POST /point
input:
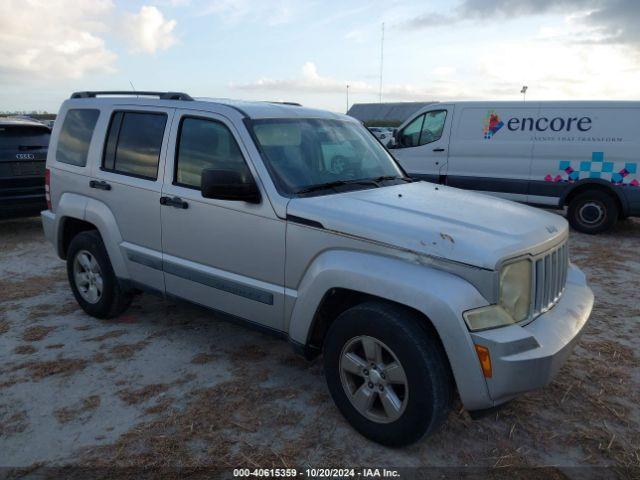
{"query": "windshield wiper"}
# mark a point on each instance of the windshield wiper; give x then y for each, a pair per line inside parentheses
(336, 183)
(390, 177)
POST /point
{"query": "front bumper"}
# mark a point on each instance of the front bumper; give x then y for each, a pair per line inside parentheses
(633, 199)
(527, 357)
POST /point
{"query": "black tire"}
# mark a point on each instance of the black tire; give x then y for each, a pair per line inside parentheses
(113, 300)
(430, 383)
(593, 211)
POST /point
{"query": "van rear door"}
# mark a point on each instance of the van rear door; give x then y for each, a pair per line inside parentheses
(490, 151)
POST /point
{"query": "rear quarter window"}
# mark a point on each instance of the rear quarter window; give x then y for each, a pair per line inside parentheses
(75, 136)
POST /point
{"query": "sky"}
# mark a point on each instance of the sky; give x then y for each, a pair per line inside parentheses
(309, 51)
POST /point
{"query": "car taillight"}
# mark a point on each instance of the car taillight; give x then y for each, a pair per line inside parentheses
(47, 188)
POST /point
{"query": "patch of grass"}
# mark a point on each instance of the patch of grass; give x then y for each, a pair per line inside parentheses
(66, 414)
(36, 333)
(105, 336)
(24, 350)
(61, 366)
(55, 346)
(126, 351)
(5, 325)
(10, 424)
(133, 397)
(202, 358)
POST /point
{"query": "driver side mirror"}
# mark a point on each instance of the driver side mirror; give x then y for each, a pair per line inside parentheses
(394, 141)
(228, 185)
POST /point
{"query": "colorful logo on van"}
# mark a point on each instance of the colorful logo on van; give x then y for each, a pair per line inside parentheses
(597, 167)
(491, 124)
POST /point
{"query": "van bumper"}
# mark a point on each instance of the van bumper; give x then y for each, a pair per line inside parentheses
(633, 200)
(525, 358)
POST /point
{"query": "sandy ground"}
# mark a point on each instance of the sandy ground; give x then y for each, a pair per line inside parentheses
(168, 385)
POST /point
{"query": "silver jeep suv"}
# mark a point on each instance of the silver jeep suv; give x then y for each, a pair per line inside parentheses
(299, 222)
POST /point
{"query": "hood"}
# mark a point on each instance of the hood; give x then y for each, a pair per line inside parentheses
(435, 220)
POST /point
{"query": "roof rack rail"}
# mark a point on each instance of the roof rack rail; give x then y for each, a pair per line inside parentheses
(160, 95)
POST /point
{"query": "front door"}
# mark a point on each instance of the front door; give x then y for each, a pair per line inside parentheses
(225, 255)
(422, 145)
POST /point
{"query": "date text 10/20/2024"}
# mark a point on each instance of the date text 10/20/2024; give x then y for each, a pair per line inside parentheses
(317, 472)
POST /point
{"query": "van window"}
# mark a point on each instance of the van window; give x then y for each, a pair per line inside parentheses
(433, 126)
(204, 144)
(75, 136)
(410, 136)
(133, 143)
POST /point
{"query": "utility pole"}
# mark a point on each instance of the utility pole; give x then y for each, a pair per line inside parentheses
(524, 93)
(347, 97)
(381, 60)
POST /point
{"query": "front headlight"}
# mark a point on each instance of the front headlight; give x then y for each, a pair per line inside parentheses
(515, 289)
(514, 302)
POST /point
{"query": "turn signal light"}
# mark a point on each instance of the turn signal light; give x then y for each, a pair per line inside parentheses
(485, 360)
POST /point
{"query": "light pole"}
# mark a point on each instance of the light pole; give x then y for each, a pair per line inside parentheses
(524, 93)
(347, 98)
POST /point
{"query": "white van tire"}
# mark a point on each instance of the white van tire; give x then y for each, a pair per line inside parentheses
(593, 211)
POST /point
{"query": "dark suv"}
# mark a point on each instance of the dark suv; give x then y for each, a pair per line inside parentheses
(23, 153)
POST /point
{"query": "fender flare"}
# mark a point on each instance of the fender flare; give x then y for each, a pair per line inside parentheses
(439, 295)
(72, 205)
(624, 203)
(97, 213)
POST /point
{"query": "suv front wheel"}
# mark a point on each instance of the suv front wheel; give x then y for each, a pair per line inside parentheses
(92, 279)
(388, 375)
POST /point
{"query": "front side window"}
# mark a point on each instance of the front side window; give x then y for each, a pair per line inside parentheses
(303, 153)
(134, 142)
(410, 136)
(75, 136)
(205, 144)
(433, 126)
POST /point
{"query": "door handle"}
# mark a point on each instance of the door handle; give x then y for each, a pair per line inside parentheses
(175, 202)
(99, 184)
(438, 149)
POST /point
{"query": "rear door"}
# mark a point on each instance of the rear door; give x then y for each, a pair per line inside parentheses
(491, 149)
(422, 144)
(23, 154)
(129, 182)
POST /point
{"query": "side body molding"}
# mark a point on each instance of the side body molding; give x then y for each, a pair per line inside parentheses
(441, 296)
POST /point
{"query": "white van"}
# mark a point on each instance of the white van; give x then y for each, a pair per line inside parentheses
(583, 155)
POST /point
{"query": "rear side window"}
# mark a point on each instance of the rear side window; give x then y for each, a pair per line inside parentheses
(205, 144)
(18, 137)
(75, 136)
(134, 142)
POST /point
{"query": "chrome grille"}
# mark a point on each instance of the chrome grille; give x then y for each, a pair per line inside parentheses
(549, 278)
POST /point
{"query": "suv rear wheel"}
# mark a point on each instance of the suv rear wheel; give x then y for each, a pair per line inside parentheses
(593, 211)
(91, 277)
(388, 376)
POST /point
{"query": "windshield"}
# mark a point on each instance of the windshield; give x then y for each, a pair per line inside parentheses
(304, 153)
